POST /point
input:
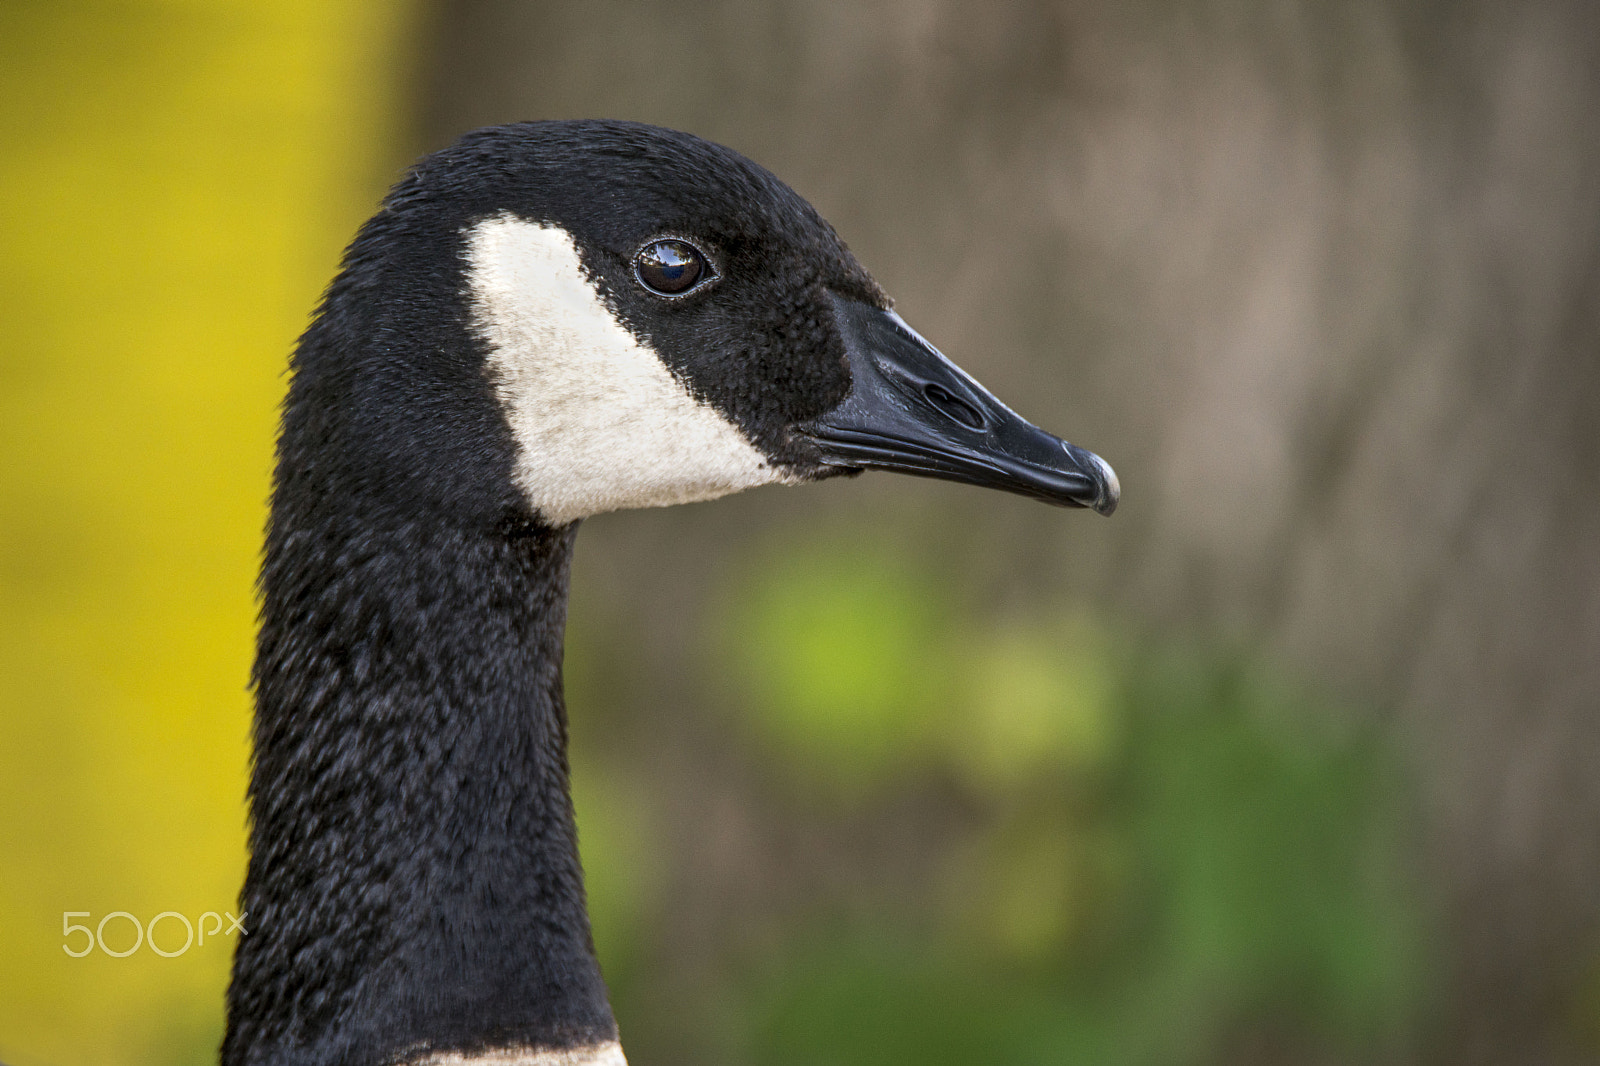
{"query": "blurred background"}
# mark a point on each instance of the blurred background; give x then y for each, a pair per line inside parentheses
(1293, 761)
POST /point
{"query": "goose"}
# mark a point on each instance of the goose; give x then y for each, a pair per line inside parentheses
(544, 322)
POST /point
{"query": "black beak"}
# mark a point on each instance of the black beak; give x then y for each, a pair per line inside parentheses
(910, 409)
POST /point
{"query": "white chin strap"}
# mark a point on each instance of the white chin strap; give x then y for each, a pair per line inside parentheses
(600, 422)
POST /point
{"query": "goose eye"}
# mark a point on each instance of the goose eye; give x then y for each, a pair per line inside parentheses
(671, 268)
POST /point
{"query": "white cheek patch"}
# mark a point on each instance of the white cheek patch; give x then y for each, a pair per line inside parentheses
(600, 422)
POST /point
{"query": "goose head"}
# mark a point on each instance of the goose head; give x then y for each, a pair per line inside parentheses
(659, 321)
(544, 322)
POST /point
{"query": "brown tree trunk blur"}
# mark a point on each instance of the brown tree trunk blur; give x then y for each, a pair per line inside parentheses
(1321, 280)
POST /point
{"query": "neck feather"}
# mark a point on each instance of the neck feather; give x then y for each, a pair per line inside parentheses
(414, 886)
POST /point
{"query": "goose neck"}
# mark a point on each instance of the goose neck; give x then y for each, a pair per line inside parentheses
(414, 886)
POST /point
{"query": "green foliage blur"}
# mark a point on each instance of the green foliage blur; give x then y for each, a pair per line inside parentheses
(1153, 854)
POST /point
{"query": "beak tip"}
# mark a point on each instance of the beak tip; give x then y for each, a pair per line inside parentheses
(1110, 487)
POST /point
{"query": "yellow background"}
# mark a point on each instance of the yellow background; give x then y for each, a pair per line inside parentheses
(177, 179)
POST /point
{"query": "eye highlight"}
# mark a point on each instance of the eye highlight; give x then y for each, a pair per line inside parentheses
(671, 267)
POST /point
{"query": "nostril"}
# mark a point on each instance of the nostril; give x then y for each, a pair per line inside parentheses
(953, 406)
